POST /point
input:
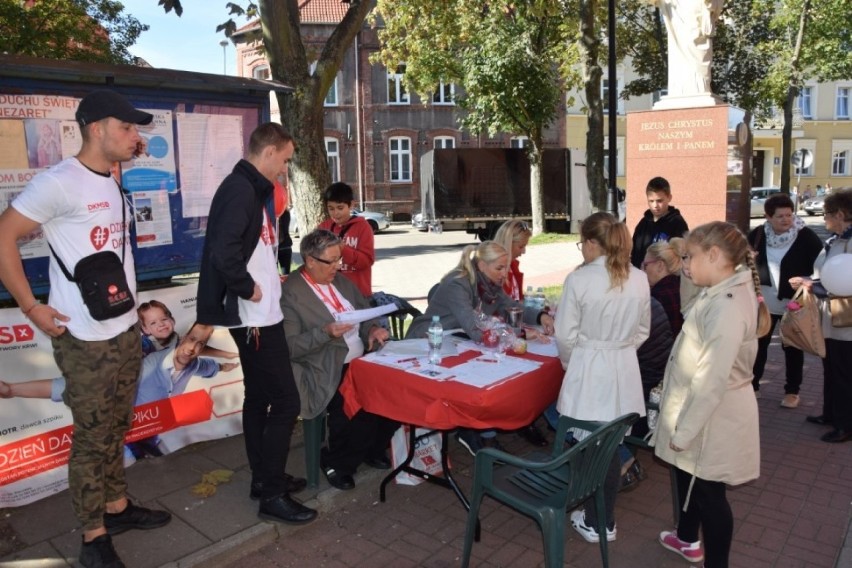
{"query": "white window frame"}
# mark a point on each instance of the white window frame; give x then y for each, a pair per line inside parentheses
(810, 146)
(519, 142)
(261, 72)
(444, 142)
(806, 102)
(619, 148)
(399, 154)
(445, 95)
(841, 156)
(331, 99)
(397, 95)
(619, 102)
(332, 151)
(841, 102)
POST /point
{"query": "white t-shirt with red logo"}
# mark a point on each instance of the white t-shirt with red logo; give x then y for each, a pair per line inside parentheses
(80, 213)
(263, 267)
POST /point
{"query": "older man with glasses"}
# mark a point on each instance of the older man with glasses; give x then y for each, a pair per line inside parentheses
(320, 351)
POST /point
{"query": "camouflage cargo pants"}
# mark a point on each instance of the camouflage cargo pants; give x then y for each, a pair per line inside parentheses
(100, 379)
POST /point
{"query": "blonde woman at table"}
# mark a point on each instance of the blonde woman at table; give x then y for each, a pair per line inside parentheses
(320, 351)
(475, 284)
(514, 235)
(604, 316)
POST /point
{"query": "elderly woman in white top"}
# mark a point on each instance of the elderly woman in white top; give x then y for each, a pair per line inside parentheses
(604, 316)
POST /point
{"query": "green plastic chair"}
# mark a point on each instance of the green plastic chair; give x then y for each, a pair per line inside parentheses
(547, 490)
(643, 443)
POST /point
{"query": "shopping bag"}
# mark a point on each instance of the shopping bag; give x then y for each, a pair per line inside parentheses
(427, 453)
(841, 310)
(800, 325)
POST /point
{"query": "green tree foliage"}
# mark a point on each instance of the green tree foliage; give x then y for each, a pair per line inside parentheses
(513, 59)
(302, 110)
(812, 40)
(80, 30)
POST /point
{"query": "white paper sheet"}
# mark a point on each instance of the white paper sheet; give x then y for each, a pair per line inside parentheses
(543, 349)
(357, 316)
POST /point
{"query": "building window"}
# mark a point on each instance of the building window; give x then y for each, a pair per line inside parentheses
(805, 102)
(400, 159)
(659, 95)
(842, 109)
(332, 151)
(442, 142)
(331, 95)
(445, 95)
(519, 142)
(397, 95)
(261, 72)
(619, 149)
(619, 104)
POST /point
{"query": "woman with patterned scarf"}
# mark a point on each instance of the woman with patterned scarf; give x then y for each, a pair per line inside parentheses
(784, 248)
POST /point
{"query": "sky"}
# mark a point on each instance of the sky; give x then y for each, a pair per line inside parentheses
(189, 42)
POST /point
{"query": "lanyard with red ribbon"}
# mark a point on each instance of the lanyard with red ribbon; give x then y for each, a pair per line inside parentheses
(332, 302)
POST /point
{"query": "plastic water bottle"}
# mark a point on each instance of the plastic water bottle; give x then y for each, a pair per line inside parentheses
(529, 298)
(436, 338)
(540, 300)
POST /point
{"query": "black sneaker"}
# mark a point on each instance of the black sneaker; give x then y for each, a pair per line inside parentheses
(135, 517)
(470, 439)
(283, 509)
(99, 553)
(292, 485)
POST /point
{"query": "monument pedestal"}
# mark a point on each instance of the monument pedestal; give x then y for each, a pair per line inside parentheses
(690, 148)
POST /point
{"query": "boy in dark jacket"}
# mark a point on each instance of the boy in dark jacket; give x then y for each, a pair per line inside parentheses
(661, 222)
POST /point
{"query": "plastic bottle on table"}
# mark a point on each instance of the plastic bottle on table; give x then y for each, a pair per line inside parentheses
(436, 338)
(529, 298)
(540, 300)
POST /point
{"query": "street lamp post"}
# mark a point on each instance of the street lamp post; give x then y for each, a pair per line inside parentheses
(224, 44)
(612, 193)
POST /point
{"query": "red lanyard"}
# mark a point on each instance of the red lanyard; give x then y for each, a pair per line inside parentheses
(334, 302)
(513, 286)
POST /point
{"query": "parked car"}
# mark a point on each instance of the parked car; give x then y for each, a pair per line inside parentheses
(417, 222)
(758, 198)
(814, 205)
(377, 221)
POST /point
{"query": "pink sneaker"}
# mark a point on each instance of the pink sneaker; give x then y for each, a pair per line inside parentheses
(690, 551)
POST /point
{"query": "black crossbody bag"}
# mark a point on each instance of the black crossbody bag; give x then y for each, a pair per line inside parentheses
(102, 280)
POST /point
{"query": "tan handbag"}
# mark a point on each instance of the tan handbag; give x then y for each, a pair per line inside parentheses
(801, 328)
(841, 311)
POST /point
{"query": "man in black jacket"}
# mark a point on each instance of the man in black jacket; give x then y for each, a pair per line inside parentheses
(239, 288)
(661, 222)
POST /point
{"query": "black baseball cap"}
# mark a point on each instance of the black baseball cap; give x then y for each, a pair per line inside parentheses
(104, 103)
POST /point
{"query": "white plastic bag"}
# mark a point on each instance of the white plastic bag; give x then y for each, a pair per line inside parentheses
(427, 454)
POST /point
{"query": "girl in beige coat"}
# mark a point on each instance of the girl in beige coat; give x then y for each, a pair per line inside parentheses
(708, 427)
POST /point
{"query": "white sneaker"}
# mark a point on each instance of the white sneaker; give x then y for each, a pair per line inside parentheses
(578, 521)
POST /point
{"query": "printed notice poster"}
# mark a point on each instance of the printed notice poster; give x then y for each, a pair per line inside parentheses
(210, 146)
(155, 168)
(153, 218)
(12, 182)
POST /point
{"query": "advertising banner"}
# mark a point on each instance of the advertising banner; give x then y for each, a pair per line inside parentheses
(203, 401)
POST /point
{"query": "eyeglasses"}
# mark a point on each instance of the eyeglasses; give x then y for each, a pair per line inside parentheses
(522, 225)
(647, 262)
(579, 245)
(337, 261)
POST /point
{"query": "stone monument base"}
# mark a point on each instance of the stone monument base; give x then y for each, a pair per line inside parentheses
(690, 148)
(702, 100)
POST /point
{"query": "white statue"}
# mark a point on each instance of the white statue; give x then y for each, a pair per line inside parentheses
(689, 27)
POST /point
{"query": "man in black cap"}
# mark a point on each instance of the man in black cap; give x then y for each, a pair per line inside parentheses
(81, 209)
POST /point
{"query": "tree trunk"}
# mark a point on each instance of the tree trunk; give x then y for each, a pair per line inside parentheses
(744, 209)
(592, 75)
(302, 111)
(792, 92)
(536, 155)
